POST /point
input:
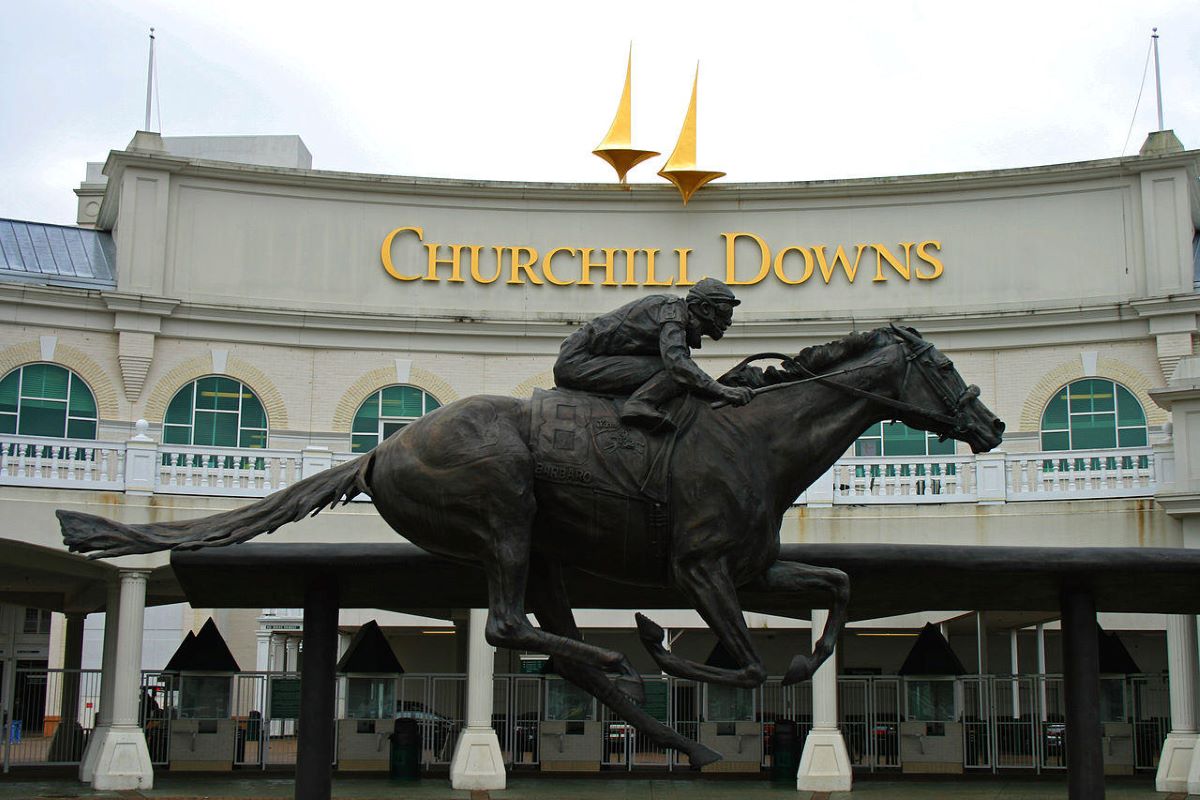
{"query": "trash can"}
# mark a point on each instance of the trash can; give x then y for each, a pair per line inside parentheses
(404, 762)
(783, 754)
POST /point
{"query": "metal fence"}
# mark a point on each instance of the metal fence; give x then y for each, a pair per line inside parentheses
(1008, 722)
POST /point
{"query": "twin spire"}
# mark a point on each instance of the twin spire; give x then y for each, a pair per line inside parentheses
(680, 168)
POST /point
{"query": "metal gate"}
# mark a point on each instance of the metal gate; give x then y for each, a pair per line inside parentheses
(977, 722)
(1052, 738)
(1014, 715)
(249, 708)
(1151, 713)
(517, 717)
(670, 701)
(53, 715)
(778, 703)
(157, 706)
(438, 704)
(855, 719)
(884, 739)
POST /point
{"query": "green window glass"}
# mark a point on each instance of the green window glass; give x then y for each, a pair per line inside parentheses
(216, 411)
(47, 400)
(1093, 414)
(386, 412)
(898, 439)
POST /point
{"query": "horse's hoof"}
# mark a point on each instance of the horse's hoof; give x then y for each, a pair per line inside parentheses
(650, 631)
(700, 755)
(633, 688)
(800, 670)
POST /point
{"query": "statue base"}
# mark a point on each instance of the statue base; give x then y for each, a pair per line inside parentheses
(1175, 762)
(478, 764)
(122, 761)
(824, 763)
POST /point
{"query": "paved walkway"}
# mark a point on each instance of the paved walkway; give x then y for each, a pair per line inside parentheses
(609, 787)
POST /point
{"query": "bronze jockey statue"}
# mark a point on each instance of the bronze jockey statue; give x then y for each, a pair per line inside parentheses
(644, 350)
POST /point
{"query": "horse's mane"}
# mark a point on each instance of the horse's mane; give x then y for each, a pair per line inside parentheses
(810, 360)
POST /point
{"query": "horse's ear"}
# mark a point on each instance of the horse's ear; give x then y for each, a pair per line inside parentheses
(911, 335)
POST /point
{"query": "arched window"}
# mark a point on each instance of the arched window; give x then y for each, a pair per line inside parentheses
(897, 439)
(386, 412)
(47, 400)
(1093, 414)
(216, 412)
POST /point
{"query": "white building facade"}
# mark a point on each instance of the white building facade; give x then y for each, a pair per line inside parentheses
(267, 320)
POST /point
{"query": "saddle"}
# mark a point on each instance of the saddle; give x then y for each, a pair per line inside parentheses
(594, 467)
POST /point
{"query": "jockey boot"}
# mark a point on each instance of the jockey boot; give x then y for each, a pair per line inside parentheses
(644, 407)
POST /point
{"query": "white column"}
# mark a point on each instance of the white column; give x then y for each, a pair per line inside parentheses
(262, 651)
(1014, 662)
(1041, 668)
(291, 663)
(1177, 761)
(108, 670)
(825, 762)
(478, 764)
(291, 649)
(124, 761)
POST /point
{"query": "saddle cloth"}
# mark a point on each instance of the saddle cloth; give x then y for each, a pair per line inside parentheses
(593, 467)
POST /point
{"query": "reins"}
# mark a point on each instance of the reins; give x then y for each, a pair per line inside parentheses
(911, 357)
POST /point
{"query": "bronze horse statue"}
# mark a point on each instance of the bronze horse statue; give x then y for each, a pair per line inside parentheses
(462, 482)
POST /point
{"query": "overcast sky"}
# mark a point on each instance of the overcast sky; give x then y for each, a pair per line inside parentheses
(524, 91)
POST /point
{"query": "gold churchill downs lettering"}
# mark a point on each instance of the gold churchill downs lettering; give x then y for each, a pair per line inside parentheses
(749, 260)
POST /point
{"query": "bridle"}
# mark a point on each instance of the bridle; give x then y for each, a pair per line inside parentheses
(917, 353)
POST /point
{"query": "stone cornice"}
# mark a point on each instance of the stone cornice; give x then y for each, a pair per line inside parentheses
(717, 195)
(1179, 504)
(479, 331)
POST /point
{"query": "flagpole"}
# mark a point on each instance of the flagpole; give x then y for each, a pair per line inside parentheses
(149, 80)
(1158, 80)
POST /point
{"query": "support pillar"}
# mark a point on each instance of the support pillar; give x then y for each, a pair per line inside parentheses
(262, 651)
(1176, 763)
(1081, 673)
(824, 762)
(67, 742)
(123, 762)
(108, 669)
(478, 764)
(314, 746)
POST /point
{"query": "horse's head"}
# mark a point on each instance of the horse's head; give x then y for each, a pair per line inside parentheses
(934, 397)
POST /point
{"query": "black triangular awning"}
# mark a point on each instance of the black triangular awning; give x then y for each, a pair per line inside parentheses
(370, 652)
(1114, 658)
(720, 657)
(931, 655)
(181, 653)
(204, 652)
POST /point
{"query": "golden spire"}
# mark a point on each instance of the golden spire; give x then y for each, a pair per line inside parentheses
(680, 168)
(615, 149)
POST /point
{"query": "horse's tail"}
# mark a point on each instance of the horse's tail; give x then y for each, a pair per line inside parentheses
(103, 538)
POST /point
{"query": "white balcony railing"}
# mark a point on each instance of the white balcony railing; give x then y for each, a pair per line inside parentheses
(65, 463)
(913, 479)
(146, 467)
(235, 472)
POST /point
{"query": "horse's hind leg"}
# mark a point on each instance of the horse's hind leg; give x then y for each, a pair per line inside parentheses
(548, 598)
(507, 550)
(712, 592)
(791, 576)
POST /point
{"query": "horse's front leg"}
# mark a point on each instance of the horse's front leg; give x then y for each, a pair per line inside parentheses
(708, 585)
(791, 576)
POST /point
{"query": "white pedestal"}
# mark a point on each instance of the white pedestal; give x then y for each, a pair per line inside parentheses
(825, 763)
(91, 755)
(123, 762)
(1175, 762)
(478, 764)
(1192, 785)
